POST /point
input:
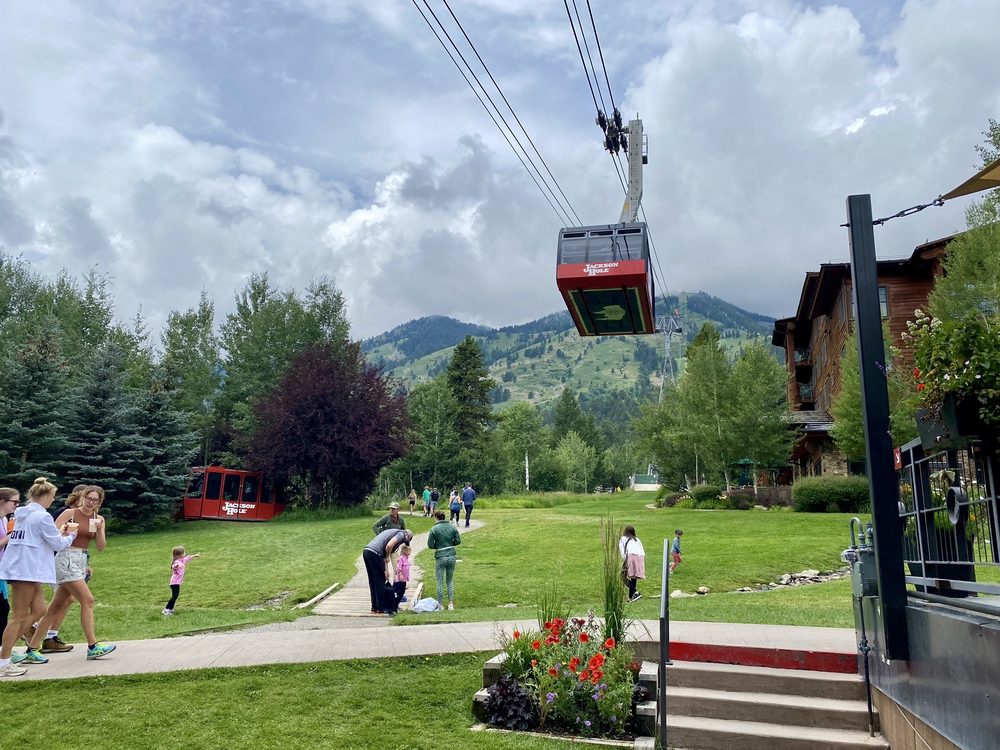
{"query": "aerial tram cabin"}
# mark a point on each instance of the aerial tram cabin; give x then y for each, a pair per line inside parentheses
(604, 277)
(603, 272)
(215, 492)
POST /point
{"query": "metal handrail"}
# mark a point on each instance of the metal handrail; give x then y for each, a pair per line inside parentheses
(661, 667)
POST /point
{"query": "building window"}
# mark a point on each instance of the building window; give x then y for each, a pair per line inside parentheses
(883, 301)
(841, 311)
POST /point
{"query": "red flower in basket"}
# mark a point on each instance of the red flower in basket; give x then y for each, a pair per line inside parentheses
(536, 645)
(574, 663)
(553, 671)
(584, 675)
(517, 634)
(609, 644)
(584, 637)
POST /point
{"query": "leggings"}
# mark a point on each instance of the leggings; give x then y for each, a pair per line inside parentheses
(175, 591)
(455, 513)
(444, 571)
(4, 612)
(631, 587)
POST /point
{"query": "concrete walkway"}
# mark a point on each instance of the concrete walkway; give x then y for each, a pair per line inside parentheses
(354, 600)
(247, 649)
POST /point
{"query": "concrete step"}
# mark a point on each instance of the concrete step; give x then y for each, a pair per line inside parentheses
(702, 733)
(794, 710)
(737, 678)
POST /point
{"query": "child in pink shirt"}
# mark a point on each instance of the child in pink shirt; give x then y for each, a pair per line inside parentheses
(402, 574)
(177, 568)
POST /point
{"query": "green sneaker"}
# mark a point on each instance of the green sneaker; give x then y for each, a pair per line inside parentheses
(33, 657)
(100, 649)
(16, 658)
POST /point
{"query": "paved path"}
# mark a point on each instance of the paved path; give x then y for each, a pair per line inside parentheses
(354, 600)
(247, 649)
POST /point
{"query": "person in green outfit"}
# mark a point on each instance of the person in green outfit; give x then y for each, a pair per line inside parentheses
(443, 539)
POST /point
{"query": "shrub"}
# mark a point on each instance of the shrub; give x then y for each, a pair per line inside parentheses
(704, 492)
(685, 502)
(741, 499)
(510, 706)
(830, 494)
(670, 499)
(713, 503)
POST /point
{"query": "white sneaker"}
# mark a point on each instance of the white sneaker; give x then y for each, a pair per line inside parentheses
(12, 670)
(451, 605)
(167, 612)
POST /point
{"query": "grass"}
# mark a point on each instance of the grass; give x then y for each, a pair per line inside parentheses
(411, 703)
(520, 551)
(242, 564)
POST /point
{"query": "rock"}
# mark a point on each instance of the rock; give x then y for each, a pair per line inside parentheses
(760, 507)
(703, 590)
(512, 604)
(678, 594)
(809, 573)
(786, 579)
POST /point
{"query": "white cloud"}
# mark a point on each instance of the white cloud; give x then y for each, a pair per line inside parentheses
(186, 146)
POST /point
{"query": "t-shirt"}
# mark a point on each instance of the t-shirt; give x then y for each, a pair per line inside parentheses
(381, 541)
(676, 546)
(427, 496)
(435, 496)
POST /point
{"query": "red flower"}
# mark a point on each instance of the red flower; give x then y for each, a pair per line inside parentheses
(536, 645)
(584, 675)
(517, 634)
(547, 625)
(553, 671)
(584, 637)
(596, 677)
(596, 661)
(609, 644)
(574, 663)
(534, 662)
(916, 372)
(920, 387)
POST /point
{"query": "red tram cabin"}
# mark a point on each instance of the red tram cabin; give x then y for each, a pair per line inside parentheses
(214, 492)
(605, 279)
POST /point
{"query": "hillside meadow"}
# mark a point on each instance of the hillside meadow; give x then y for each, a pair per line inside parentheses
(502, 567)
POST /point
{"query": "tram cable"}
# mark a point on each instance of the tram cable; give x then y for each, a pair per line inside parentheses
(563, 217)
(516, 118)
(600, 52)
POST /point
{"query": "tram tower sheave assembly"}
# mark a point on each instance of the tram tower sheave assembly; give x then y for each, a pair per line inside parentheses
(603, 271)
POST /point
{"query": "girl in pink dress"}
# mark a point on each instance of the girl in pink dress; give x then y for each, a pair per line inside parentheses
(177, 568)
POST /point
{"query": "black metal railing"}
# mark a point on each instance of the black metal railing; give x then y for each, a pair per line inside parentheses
(661, 671)
(950, 524)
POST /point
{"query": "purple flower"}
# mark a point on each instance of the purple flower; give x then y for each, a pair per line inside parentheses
(549, 697)
(587, 723)
(614, 719)
(596, 696)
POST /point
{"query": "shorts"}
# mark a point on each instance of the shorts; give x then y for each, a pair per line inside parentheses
(677, 557)
(71, 565)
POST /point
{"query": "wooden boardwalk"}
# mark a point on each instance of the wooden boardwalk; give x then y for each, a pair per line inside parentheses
(353, 600)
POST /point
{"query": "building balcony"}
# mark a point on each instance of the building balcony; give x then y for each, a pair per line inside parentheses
(805, 392)
(803, 357)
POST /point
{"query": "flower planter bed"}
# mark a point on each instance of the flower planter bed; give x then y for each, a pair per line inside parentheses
(564, 682)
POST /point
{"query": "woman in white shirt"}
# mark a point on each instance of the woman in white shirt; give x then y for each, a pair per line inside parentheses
(28, 562)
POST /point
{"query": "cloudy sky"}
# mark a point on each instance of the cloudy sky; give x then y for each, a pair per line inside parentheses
(183, 146)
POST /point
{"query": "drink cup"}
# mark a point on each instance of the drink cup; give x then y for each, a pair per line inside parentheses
(71, 527)
(92, 526)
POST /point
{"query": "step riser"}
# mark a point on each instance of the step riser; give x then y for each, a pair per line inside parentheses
(698, 739)
(788, 684)
(751, 711)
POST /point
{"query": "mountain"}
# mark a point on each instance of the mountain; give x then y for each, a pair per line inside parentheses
(534, 361)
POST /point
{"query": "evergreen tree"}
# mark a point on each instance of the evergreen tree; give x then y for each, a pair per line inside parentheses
(36, 409)
(108, 440)
(471, 384)
(161, 474)
(566, 415)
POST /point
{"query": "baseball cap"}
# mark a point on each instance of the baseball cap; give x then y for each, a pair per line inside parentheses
(393, 506)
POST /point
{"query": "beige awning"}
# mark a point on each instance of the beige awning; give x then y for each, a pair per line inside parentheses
(986, 179)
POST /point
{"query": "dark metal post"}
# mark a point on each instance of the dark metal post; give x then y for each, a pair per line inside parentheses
(878, 442)
(661, 668)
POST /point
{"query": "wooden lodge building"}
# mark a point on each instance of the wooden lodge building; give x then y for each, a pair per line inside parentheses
(814, 341)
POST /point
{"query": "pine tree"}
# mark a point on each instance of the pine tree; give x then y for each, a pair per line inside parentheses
(36, 410)
(471, 384)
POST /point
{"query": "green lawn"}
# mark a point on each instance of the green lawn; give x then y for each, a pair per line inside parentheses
(242, 564)
(519, 551)
(409, 703)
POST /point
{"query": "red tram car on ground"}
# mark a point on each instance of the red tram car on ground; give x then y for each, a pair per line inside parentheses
(215, 492)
